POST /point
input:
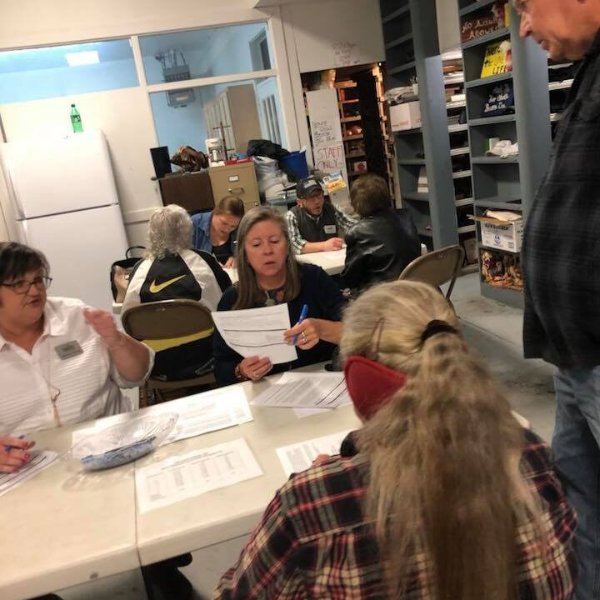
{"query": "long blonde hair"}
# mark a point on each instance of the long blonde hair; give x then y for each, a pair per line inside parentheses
(444, 452)
(249, 293)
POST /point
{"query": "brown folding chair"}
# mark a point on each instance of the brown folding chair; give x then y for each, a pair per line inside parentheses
(156, 321)
(436, 268)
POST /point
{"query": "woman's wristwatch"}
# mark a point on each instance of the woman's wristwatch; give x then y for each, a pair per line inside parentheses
(238, 373)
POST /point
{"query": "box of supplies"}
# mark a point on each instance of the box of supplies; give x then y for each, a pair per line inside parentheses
(501, 234)
(405, 116)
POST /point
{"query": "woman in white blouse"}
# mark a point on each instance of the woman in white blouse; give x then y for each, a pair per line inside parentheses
(60, 362)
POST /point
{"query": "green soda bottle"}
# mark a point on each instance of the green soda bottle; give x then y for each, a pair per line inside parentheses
(76, 120)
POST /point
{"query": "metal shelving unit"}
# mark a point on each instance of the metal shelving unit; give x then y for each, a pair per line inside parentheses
(412, 54)
(505, 183)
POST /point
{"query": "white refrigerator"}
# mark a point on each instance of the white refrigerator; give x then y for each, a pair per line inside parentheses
(63, 201)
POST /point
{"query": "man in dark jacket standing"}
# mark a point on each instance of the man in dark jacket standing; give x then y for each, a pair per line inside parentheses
(561, 258)
(315, 225)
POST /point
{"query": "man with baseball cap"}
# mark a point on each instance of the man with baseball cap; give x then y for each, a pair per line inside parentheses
(315, 225)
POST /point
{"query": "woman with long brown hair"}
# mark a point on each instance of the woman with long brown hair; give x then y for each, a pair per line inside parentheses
(214, 231)
(269, 274)
(442, 495)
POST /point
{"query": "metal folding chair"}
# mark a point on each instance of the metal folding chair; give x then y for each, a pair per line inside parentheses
(155, 321)
(436, 268)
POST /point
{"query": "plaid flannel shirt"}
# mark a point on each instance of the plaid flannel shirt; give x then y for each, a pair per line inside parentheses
(343, 221)
(314, 542)
(561, 245)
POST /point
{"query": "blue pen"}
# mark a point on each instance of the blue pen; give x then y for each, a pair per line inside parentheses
(303, 315)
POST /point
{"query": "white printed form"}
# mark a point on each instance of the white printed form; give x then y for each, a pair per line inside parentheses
(305, 390)
(257, 332)
(40, 460)
(187, 475)
(298, 457)
(209, 411)
(198, 414)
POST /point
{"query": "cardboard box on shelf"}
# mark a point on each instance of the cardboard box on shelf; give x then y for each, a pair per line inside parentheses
(504, 235)
(405, 116)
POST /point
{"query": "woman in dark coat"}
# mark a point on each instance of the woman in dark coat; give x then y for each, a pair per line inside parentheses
(383, 242)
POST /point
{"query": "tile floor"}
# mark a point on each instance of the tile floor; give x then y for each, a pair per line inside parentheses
(494, 329)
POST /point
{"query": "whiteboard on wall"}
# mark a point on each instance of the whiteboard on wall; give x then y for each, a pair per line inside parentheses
(336, 33)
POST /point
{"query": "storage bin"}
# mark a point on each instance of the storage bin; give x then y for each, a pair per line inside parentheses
(295, 163)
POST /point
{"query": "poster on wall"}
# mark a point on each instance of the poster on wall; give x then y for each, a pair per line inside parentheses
(330, 157)
(326, 129)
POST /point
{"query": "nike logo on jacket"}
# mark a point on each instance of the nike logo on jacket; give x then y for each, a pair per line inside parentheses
(155, 288)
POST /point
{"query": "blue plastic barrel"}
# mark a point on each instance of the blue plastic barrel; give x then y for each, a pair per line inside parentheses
(296, 163)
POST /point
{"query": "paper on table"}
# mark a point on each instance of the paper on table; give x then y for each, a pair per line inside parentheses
(198, 414)
(209, 411)
(179, 477)
(40, 460)
(257, 332)
(329, 257)
(305, 390)
(298, 457)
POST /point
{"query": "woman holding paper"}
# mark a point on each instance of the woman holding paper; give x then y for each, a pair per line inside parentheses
(269, 275)
(442, 494)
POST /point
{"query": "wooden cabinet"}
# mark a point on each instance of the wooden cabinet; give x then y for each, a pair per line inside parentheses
(235, 180)
(236, 109)
(364, 122)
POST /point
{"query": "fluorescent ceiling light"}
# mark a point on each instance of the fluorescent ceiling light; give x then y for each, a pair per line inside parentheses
(78, 59)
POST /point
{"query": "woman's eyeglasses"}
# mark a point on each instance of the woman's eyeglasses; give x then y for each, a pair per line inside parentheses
(23, 286)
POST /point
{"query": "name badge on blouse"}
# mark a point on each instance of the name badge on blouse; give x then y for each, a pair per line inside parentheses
(329, 228)
(68, 350)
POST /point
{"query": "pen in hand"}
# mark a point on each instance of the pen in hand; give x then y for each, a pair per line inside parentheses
(9, 447)
(303, 315)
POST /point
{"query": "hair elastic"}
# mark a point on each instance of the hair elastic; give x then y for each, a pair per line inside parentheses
(436, 326)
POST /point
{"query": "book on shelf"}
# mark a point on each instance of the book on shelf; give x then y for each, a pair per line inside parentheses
(497, 59)
(497, 16)
(500, 101)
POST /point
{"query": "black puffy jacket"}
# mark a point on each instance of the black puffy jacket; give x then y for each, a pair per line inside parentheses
(378, 249)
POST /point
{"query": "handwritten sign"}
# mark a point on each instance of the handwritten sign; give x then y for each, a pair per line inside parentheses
(325, 131)
(330, 158)
(344, 54)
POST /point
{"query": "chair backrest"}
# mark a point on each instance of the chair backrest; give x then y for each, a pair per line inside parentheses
(436, 267)
(166, 319)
